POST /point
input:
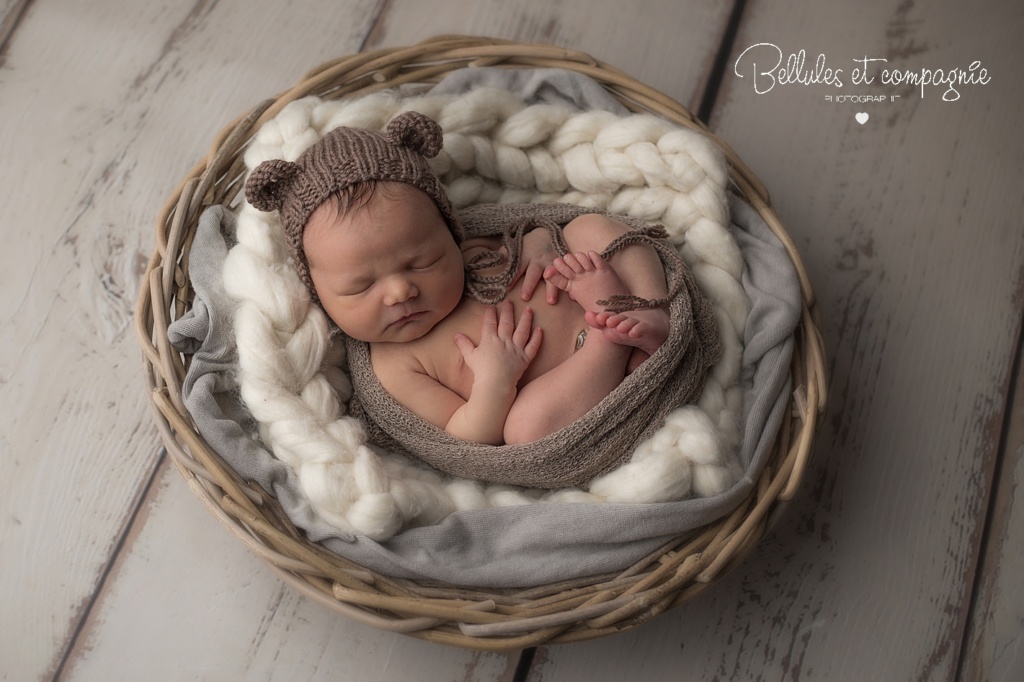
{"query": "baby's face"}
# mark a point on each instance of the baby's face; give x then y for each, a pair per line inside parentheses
(387, 271)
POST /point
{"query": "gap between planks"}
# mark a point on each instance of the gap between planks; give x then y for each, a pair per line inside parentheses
(1011, 436)
(12, 15)
(122, 540)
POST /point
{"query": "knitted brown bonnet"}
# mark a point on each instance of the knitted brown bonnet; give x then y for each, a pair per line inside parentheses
(343, 157)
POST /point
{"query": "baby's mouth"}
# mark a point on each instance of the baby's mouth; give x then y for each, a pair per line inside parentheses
(405, 319)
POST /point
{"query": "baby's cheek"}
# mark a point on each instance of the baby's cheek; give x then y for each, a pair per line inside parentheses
(338, 314)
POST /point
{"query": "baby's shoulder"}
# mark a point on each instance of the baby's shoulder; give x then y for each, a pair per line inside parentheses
(394, 360)
(421, 376)
(395, 363)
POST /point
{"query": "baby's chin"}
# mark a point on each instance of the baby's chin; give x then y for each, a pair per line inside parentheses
(404, 333)
(409, 331)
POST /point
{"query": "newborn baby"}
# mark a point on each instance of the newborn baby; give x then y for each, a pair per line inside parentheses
(377, 242)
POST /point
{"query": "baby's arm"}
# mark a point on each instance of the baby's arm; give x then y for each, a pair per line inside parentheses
(505, 350)
(562, 395)
(497, 362)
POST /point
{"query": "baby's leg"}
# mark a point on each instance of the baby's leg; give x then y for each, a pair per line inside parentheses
(638, 266)
(588, 279)
(639, 269)
(565, 393)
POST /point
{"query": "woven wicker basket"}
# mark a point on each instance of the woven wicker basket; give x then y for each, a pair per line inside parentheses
(474, 618)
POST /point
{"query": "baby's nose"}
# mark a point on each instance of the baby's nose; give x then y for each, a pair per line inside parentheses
(400, 290)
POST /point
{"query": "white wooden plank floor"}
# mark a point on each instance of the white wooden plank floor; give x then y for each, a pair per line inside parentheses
(899, 559)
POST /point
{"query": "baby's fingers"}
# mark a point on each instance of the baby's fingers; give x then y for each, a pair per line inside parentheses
(528, 337)
(551, 292)
(533, 345)
(531, 278)
(489, 324)
(465, 345)
(506, 319)
(523, 328)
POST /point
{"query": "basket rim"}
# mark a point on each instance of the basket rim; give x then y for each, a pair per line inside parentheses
(474, 618)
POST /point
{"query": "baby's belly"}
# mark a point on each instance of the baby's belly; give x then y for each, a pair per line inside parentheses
(561, 323)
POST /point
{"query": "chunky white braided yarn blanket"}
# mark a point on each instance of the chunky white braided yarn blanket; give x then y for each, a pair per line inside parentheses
(496, 149)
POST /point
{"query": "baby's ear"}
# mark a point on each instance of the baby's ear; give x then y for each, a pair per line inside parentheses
(416, 131)
(269, 182)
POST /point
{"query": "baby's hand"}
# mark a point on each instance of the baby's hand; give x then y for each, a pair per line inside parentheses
(506, 348)
(537, 255)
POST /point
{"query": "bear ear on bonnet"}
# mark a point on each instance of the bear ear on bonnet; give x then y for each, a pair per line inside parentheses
(417, 132)
(268, 184)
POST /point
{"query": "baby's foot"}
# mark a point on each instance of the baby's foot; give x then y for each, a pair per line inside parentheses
(644, 330)
(586, 277)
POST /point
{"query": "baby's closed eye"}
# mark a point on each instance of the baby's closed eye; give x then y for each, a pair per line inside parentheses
(355, 288)
(426, 263)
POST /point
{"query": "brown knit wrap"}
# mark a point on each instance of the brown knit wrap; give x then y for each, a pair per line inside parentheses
(343, 157)
(606, 436)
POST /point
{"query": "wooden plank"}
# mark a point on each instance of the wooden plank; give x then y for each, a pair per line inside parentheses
(105, 105)
(11, 12)
(994, 648)
(640, 38)
(910, 228)
(187, 599)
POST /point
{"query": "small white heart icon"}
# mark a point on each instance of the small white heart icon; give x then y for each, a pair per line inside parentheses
(862, 117)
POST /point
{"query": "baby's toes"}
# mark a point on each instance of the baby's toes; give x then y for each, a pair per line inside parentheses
(584, 261)
(567, 266)
(639, 329)
(627, 326)
(594, 261)
(556, 275)
(618, 321)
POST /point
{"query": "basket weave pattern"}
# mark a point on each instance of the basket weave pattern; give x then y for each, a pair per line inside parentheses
(475, 618)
